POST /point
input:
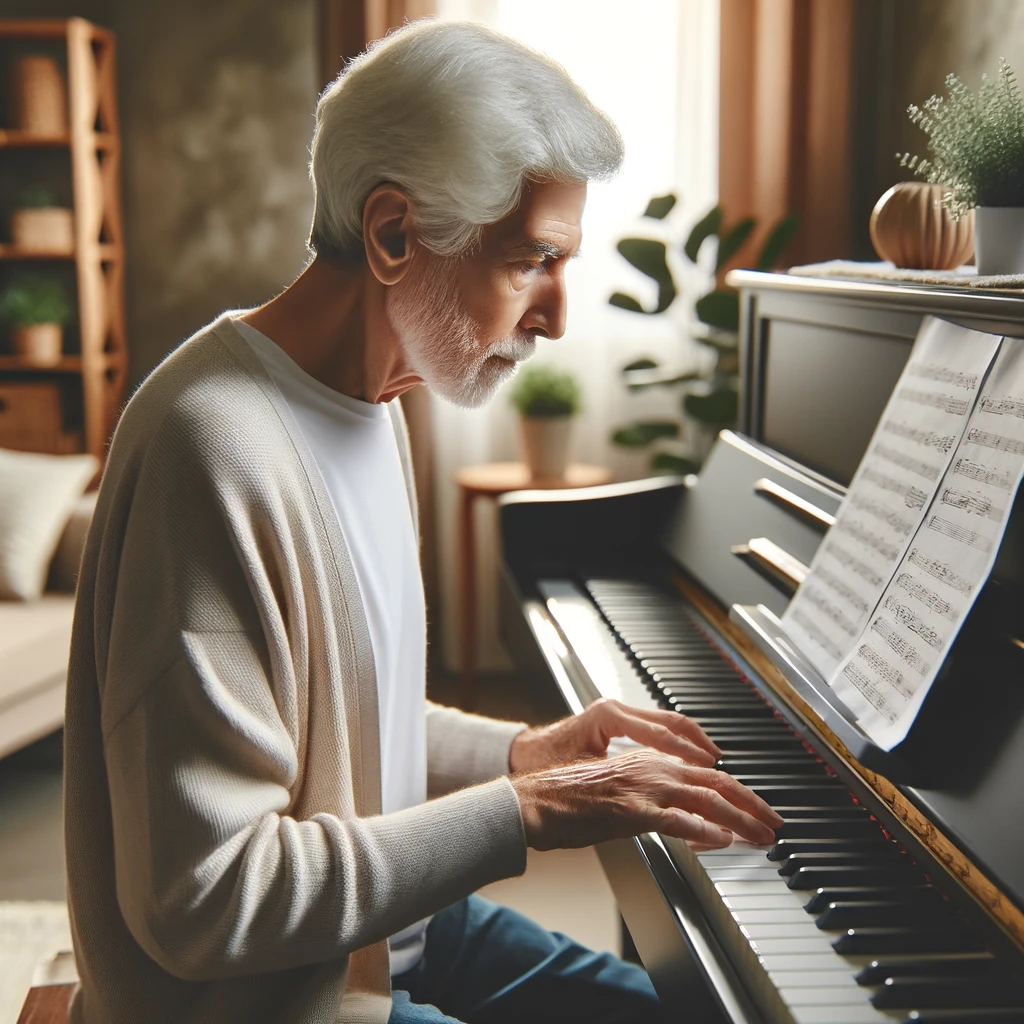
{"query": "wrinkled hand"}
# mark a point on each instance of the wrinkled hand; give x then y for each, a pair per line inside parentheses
(589, 733)
(589, 801)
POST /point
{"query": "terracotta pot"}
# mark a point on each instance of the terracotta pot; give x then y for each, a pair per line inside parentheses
(38, 344)
(1000, 239)
(45, 229)
(546, 445)
(911, 229)
(38, 96)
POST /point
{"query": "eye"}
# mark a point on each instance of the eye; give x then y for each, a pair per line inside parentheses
(528, 267)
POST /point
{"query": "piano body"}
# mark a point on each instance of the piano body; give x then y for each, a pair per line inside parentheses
(895, 891)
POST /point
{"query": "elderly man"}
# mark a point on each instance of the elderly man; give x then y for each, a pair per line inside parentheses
(249, 747)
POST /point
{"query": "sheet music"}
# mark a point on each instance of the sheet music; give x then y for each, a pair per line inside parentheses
(890, 669)
(892, 490)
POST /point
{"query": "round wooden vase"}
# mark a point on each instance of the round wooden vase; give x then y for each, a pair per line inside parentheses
(43, 229)
(912, 229)
(38, 96)
(546, 445)
(38, 344)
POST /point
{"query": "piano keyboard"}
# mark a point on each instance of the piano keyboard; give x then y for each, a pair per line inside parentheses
(834, 919)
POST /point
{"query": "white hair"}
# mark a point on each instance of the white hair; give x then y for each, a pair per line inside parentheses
(458, 117)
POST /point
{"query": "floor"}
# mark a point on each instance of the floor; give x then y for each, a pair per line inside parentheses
(563, 890)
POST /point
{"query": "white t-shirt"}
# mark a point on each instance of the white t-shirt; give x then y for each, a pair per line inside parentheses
(356, 450)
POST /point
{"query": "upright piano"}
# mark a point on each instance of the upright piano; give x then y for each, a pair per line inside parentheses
(895, 889)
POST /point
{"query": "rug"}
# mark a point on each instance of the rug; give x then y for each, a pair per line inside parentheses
(30, 933)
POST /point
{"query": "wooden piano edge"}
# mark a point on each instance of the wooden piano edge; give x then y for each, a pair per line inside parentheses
(984, 891)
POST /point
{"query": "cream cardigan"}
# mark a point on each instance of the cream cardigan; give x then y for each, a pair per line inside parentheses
(226, 856)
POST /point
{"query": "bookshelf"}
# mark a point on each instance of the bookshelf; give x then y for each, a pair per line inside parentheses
(92, 380)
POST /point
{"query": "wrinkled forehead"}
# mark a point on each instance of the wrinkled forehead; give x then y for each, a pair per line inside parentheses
(549, 213)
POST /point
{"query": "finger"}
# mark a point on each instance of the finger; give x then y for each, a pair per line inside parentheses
(712, 806)
(682, 726)
(735, 792)
(697, 831)
(623, 722)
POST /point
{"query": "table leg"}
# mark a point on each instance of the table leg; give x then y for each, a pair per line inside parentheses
(467, 570)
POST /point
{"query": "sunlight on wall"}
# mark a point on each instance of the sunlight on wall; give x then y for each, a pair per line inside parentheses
(653, 66)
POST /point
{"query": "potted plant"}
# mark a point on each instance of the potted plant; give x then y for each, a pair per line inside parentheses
(711, 396)
(37, 309)
(39, 225)
(976, 142)
(547, 400)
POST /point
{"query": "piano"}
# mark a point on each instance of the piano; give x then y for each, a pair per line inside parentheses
(895, 889)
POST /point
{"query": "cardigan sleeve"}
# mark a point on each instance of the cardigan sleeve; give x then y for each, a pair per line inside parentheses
(464, 749)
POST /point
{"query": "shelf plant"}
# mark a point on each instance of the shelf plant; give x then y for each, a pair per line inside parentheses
(547, 399)
(37, 310)
(976, 147)
(710, 397)
(38, 224)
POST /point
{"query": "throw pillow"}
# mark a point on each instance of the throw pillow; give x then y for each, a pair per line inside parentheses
(37, 495)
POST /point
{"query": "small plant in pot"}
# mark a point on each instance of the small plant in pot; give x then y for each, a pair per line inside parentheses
(547, 400)
(38, 224)
(976, 142)
(37, 310)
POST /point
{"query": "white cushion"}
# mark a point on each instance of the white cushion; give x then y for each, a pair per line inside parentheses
(37, 496)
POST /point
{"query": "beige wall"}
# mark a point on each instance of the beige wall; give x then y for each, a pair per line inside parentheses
(216, 101)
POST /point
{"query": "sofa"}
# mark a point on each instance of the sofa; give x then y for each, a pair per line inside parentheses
(34, 640)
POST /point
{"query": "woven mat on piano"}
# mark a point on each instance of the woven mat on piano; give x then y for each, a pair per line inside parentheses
(962, 277)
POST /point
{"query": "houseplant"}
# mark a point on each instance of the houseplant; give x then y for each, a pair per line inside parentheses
(711, 397)
(38, 224)
(37, 309)
(547, 399)
(976, 142)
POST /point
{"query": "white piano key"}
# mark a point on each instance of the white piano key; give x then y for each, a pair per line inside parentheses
(775, 915)
(763, 901)
(739, 860)
(804, 944)
(825, 977)
(737, 847)
(759, 874)
(838, 995)
(746, 887)
(800, 962)
(865, 1014)
(779, 930)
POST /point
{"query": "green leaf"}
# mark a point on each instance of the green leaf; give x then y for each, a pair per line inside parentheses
(716, 409)
(720, 341)
(543, 391)
(642, 433)
(660, 207)
(626, 302)
(665, 462)
(720, 309)
(708, 225)
(776, 242)
(644, 363)
(732, 241)
(648, 255)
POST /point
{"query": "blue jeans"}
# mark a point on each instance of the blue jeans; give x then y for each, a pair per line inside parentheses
(486, 964)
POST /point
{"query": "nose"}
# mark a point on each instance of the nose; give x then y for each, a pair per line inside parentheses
(546, 315)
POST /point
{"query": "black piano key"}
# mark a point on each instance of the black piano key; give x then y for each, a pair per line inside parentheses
(973, 965)
(867, 874)
(847, 858)
(710, 695)
(822, 796)
(816, 828)
(695, 708)
(874, 914)
(785, 764)
(908, 894)
(975, 1015)
(947, 993)
(883, 941)
(855, 812)
(785, 847)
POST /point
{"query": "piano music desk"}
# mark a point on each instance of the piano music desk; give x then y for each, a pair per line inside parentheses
(492, 480)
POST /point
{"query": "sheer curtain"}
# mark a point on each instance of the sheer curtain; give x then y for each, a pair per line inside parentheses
(653, 66)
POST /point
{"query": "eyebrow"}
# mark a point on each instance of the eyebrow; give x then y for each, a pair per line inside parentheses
(536, 247)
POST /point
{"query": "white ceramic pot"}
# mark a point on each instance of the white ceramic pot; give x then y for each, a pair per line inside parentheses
(546, 445)
(38, 344)
(46, 229)
(999, 239)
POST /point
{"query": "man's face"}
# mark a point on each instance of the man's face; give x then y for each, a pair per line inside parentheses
(465, 324)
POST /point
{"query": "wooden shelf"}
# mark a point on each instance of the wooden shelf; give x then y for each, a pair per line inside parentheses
(106, 253)
(15, 364)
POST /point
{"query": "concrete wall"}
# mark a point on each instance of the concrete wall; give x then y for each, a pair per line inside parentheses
(216, 101)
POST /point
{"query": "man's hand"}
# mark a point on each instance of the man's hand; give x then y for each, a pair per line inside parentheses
(588, 735)
(589, 801)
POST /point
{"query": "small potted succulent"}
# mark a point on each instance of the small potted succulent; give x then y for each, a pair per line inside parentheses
(38, 224)
(37, 309)
(976, 142)
(547, 400)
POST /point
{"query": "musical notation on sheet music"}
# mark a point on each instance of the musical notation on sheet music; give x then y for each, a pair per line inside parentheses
(892, 491)
(946, 564)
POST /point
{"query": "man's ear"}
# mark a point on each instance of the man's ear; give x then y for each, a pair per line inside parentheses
(388, 233)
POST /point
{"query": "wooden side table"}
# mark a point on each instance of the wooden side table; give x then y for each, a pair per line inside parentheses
(491, 481)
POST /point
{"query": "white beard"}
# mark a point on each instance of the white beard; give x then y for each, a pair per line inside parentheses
(441, 341)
